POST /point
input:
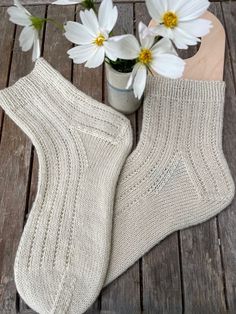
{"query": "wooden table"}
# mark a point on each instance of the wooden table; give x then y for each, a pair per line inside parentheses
(192, 271)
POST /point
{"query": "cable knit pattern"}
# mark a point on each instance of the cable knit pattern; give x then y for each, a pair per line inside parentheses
(81, 144)
(177, 176)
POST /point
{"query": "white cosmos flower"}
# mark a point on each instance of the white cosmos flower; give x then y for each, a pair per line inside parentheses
(160, 57)
(92, 35)
(29, 36)
(179, 20)
(66, 2)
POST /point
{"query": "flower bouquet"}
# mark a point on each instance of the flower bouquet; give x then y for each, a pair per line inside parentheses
(176, 24)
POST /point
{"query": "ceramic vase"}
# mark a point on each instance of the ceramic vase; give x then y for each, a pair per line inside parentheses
(119, 97)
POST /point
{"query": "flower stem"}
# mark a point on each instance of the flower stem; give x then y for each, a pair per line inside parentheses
(56, 24)
(86, 4)
(149, 70)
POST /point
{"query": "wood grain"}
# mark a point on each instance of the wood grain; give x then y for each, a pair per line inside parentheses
(227, 219)
(201, 269)
(15, 154)
(229, 16)
(7, 37)
(162, 278)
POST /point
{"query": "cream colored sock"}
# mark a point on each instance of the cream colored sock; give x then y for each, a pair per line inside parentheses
(63, 254)
(177, 176)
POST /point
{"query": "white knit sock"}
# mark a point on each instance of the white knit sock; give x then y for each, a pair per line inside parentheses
(63, 255)
(177, 176)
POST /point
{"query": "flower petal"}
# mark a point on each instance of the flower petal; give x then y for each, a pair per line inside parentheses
(182, 39)
(66, 2)
(192, 9)
(36, 47)
(140, 81)
(77, 33)
(107, 15)
(18, 4)
(96, 59)
(110, 50)
(19, 16)
(197, 28)
(26, 38)
(145, 38)
(90, 21)
(80, 54)
(174, 5)
(168, 65)
(132, 75)
(126, 46)
(156, 8)
(161, 30)
(163, 46)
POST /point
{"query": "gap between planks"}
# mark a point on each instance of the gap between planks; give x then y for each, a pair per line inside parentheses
(6, 3)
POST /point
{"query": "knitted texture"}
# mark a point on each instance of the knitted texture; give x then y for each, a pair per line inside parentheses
(63, 254)
(177, 176)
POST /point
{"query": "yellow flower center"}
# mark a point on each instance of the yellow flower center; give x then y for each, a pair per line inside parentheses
(170, 19)
(145, 56)
(99, 40)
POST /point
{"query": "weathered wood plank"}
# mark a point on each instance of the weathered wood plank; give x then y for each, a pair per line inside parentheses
(6, 37)
(55, 44)
(160, 267)
(227, 219)
(161, 278)
(27, 311)
(201, 261)
(123, 295)
(203, 287)
(229, 15)
(15, 152)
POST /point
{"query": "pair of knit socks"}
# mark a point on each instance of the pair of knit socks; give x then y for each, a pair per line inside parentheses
(86, 227)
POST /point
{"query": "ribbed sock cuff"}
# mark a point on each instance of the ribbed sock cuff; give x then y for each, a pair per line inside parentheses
(46, 83)
(187, 90)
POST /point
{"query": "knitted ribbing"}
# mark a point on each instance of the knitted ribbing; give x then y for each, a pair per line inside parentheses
(177, 176)
(81, 144)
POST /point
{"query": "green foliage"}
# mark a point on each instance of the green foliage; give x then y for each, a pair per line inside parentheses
(88, 4)
(120, 65)
(37, 22)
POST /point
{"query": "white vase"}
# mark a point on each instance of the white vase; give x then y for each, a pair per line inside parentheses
(119, 97)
